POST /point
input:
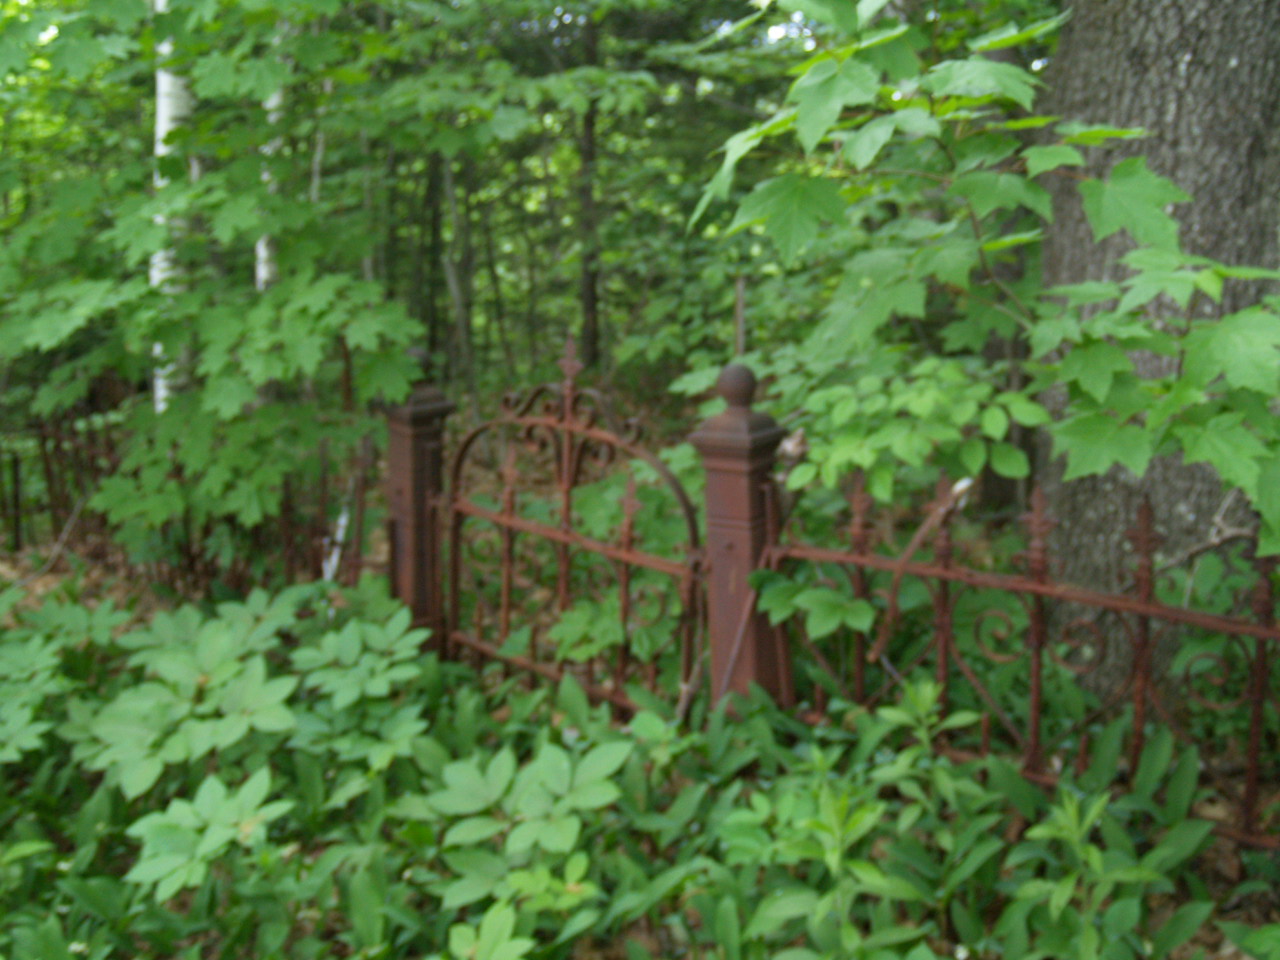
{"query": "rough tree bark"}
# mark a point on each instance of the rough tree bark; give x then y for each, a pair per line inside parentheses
(1203, 77)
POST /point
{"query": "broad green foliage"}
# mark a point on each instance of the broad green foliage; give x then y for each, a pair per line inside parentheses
(381, 803)
(919, 187)
(419, 180)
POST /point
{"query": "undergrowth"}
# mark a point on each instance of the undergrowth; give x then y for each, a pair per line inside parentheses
(290, 777)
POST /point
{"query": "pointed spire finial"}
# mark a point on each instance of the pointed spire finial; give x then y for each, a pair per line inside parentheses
(570, 365)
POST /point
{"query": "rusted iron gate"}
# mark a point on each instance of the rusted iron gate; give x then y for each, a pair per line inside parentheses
(745, 532)
(557, 442)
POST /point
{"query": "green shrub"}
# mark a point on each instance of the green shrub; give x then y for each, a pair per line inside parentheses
(290, 777)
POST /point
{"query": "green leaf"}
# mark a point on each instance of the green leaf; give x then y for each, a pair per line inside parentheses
(559, 835)
(1095, 441)
(602, 762)
(1178, 845)
(1008, 461)
(777, 908)
(592, 795)
(791, 207)
(1181, 788)
(841, 14)
(828, 610)
(138, 776)
(365, 908)
(728, 928)
(980, 77)
(1062, 893)
(496, 928)
(1040, 159)
(824, 91)
(864, 146)
(1094, 366)
(1024, 410)
(989, 190)
(1260, 944)
(1180, 928)
(1093, 135)
(995, 423)
(1227, 445)
(1122, 917)
(735, 148)
(1243, 348)
(473, 830)
(777, 598)
(1134, 199)
(973, 454)
(1011, 35)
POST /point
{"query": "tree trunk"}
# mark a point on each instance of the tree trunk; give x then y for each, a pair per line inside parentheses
(435, 257)
(588, 217)
(1203, 78)
(266, 269)
(495, 290)
(458, 263)
(174, 104)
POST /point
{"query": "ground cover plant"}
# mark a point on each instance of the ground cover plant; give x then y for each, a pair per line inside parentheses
(337, 199)
(287, 776)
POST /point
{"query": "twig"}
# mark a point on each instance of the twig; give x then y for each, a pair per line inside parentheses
(688, 690)
(1219, 536)
(955, 499)
(58, 546)
(1217, 540)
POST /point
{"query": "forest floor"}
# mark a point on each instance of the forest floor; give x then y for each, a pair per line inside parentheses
(100, 574)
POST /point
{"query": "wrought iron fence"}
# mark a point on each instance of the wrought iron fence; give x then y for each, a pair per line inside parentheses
(523, 502)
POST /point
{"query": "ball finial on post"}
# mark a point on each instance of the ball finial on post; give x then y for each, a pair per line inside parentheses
(737, 384)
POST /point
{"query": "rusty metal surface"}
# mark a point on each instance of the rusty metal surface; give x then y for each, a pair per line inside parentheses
(502, 567)
(1012, 583)
(557, 440)
(737, 449)
(1140, 622)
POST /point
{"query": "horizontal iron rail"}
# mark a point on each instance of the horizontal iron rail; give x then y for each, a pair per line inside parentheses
(1018, 584)
(635, 558)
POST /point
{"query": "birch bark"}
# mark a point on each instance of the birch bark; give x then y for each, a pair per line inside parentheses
(174, 105)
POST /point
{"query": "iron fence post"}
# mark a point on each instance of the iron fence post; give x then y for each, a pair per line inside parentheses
(415, 484)
(737, 448)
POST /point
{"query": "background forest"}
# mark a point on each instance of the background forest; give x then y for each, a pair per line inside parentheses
(1000, 239)
(237, 228)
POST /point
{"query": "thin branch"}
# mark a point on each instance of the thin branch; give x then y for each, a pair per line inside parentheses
(58, 546)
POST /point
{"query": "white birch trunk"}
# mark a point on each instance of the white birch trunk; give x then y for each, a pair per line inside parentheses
(174, 104)
(266, 270)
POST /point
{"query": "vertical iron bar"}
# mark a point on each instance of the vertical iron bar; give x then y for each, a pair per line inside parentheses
(570, 367)
(942, 625)
(1143, 538)
(860, 540)
(507, 559)
(1038, 526)
(627, 540)
(1264, 613)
